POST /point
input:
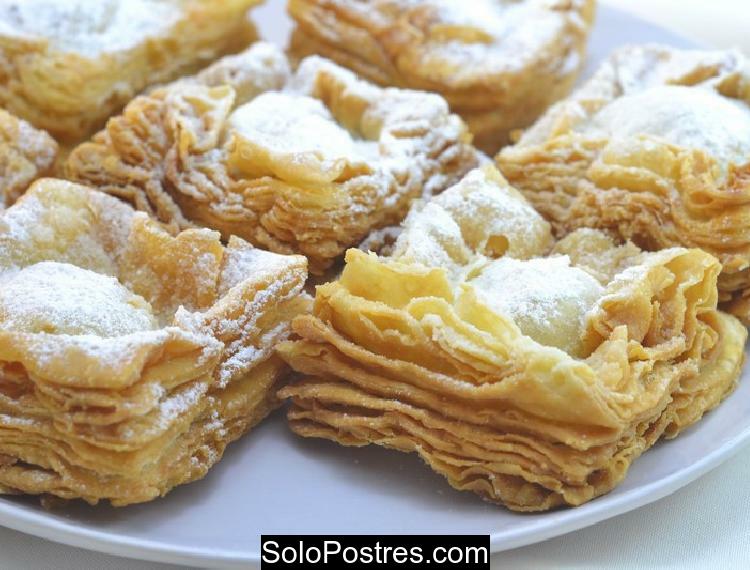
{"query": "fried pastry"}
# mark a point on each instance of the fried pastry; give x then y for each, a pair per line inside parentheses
(530, 372)
(655, 148)
(130, 358)
(306, 163)
(26, 154)
(67, 65)
(499, 63)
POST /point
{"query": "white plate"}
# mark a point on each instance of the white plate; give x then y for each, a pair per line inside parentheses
(274, 482)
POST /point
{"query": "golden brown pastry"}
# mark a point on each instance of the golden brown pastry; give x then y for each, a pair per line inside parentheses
(26, 154)
(655, 148)
(130, 358)
(67, 65)
(499, 63)
(531, 376)
(306, 163)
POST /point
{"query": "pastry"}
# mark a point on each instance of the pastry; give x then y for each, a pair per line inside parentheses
(130, 358)
(67, 65)
(498, 63)
(26, 154)
(305, 163)
(655, 148)
(530, 372)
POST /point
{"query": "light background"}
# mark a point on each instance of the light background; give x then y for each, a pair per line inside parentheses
(719, 23)
(705, 525)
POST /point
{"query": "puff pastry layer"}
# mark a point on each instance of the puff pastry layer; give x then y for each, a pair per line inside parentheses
(654, 148)
(67, 65)
(499, 63)
(130, 358)
(26, 154)
(305, 163)
(533, 377)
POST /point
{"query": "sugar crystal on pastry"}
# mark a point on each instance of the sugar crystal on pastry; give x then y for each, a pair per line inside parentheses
(534, 381)
(654, 149)
(130, 358)
(307, 162)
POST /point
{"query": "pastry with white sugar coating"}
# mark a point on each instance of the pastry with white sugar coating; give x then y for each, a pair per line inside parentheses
(498, 63)
(26, 154)
(655, 148)
(67, 65)
(306, 162)
(130, 358)
(529, 371)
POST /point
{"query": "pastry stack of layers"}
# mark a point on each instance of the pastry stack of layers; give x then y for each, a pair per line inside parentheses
(306, 163)
(655, 148)
(67, 65)
(530, 372)
(26, 154)
(498, 63)
(130, 358)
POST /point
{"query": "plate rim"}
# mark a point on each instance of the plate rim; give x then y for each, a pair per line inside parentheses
(36, 523)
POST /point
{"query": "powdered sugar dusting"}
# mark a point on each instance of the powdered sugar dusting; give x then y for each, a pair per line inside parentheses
(244, 357)
(246, 342)
(242, 261)
(520, 28)
(178, 403)
(479, 215)
(403, 141)
(264, 283)
(60, 221)
(493, 35)
(546, 297)
(87, 27)
(469, 226)
(692, 117)
(431, 237)
(60, 298)
(297, 128)
(96, 370)
(635, 70)
(263, 67)
(110, 352)
(487, 207)
(25, 154)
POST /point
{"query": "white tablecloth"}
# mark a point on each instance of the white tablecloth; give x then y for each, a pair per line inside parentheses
(705, 525)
